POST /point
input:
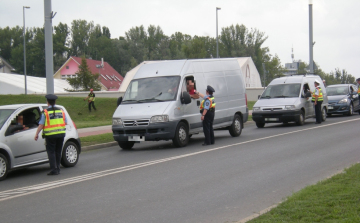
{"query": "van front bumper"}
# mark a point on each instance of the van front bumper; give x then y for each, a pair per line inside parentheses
(276, 116)
(152, 132)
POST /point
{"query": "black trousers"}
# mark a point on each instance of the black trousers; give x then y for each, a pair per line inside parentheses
(54, 149)
(93, 105)
(318, 114)
(208, 127)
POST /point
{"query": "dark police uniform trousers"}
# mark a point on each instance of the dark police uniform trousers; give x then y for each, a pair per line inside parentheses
(318, 114)
(208, 126)
(54, 145)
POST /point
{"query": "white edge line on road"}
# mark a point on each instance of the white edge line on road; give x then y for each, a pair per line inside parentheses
(9, 194)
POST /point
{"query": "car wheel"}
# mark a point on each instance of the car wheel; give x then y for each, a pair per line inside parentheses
(323, 114)
(127, 145)
(4, 167)
(236, 127)
(70, 154)
(260, 124)
(301, 120)
(351, 110)
(181, 137)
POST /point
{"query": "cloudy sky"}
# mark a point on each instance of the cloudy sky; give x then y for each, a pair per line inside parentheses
(285, 22)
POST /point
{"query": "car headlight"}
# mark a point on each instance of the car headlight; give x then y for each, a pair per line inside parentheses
(289, 107)
(159, 118)
(117, 121)
(343, 101)
(256, 108)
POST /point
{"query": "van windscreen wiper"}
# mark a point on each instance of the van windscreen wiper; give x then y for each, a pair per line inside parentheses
(267, 96)
(282, 96)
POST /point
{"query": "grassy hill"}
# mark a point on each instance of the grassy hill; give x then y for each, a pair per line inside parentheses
(77, 108)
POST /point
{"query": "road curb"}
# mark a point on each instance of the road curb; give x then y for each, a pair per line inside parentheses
(99, 146)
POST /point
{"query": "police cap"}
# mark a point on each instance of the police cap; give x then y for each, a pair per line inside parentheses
(358, 79)
(51, 97)
(210, 89)
(316, 81)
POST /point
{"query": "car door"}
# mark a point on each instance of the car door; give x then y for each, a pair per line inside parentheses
(355, 98)
(22, 144)
(309, 107)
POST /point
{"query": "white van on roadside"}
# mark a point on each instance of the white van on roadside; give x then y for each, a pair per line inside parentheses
(288, 99)
(156, 105)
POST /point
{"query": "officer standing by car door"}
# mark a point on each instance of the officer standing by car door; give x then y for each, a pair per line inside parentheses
(317, 99)
(207, 110)
(358, 85)
(52, 122)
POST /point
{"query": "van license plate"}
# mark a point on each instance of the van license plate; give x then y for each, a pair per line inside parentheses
(271, 119)
(330, 107)
(136, 138)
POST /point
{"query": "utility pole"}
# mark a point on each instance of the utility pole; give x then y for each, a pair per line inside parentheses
(49, 53)
(217, 36)
(311, 44)
(263, 64)
(24, 7)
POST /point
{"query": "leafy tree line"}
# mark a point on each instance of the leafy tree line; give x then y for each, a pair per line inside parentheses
(85, 39)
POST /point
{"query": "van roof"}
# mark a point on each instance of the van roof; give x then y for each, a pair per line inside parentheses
(294, 79)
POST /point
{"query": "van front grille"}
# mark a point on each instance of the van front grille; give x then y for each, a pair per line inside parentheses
(135, 123)
(272, 109)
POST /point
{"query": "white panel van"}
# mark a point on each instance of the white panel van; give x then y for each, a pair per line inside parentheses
(157, 105)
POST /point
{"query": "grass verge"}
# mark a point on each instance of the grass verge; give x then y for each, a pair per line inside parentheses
(77, 108)
(333, 200)
(96, 139)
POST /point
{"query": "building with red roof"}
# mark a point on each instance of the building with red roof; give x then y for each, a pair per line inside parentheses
(109, 78)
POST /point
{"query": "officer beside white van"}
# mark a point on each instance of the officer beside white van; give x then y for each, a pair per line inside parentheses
(317, 99)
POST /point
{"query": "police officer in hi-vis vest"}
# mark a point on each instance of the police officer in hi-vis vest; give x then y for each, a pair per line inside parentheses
(358, 85)
(52, 123)
(207, 110)
(91, 100)
(317, 99)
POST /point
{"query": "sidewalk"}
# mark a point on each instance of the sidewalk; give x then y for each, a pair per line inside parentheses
(102, 130)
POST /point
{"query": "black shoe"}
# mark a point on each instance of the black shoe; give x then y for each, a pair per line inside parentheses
(204, 144)
(317, 122)
(52, 173)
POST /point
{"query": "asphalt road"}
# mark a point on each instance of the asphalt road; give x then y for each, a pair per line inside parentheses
(155, 182)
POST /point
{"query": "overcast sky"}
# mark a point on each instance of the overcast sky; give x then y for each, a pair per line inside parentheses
(285, 22)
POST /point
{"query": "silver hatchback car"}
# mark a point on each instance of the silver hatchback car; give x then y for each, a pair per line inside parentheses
(18, 124)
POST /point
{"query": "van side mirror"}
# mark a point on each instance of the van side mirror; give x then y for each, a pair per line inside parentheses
(259, 96)
(119, 101)
(185, 98)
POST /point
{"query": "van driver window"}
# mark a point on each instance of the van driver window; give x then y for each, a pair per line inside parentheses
(190, 86)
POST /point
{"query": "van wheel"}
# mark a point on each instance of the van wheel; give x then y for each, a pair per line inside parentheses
(70, 155)
(236, 126)
(260, 124)
(127, 145)
(4, 167)
(301, 120)
(323, 114)
(181, 137)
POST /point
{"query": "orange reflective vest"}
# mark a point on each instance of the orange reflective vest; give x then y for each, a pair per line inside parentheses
(54, 122)
(212, 103)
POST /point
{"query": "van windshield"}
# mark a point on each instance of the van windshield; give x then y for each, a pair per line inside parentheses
(282, 91)
(152, 89)
(4, 115)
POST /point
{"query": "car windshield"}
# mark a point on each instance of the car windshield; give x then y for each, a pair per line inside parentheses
(340, 90)
(153, 89)
(4, 115)
(282, 91)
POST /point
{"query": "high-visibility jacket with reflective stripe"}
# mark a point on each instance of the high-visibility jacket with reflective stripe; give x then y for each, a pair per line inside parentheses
(91, 97)
(54, 122)
(212, 103)
(359, 89)
(320, 97)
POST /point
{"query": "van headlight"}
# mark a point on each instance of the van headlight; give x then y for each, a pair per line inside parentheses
(289, 107)
(117, 121)
(343, 101)
(159, 118)
(256, 108)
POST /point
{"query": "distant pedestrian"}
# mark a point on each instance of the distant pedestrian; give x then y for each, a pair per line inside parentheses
(317, 99)
(91, 99)
(324, 82)
(207, 110)
(52, 123)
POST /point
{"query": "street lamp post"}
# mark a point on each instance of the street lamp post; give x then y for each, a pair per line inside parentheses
(24, 7)
(311, 44)
(217, 37)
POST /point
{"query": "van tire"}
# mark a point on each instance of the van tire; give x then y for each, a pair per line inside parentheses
(323, 114)
(236, 127)
(301, 120)
(260, 124)
(181, 137)
(4, 167)
(70, 155)
(127, 145)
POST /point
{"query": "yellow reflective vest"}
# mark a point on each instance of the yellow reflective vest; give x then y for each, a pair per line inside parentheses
(320, 97)
(359, 89)
(54, 122)
(91, 97)
(212, 104)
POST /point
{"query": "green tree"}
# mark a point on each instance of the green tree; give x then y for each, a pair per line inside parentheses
(84, 79)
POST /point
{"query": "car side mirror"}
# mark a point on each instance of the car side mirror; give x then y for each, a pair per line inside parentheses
(119, 101)
(259, 96)
(185, 98)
